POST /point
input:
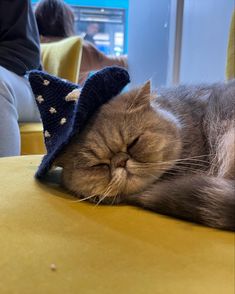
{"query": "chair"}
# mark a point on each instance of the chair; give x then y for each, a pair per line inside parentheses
(62, 59)
(32, 141)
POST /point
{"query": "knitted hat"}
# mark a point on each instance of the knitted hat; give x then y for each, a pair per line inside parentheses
(65, 108)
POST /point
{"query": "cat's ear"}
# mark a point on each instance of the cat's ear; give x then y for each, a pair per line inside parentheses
(143, 95)
(146, 88)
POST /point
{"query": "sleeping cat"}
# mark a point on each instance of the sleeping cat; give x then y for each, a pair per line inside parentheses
(172, 152)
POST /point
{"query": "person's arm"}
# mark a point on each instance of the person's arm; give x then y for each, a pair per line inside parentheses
(19, 39)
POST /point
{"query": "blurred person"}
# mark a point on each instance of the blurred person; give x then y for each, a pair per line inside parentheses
(55, 21)
(19, 52)
(91, 31)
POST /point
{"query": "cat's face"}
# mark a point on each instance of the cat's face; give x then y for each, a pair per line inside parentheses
(125, 147)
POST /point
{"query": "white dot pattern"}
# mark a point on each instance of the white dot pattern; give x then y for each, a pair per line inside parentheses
(63, 121)
(40, 99)
(73, 96)
(46, 82)
(47, 134)
(52, 110)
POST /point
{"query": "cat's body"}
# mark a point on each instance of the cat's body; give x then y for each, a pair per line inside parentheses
(173, 154)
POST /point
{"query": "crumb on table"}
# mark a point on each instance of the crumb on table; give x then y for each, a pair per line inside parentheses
(53, 267)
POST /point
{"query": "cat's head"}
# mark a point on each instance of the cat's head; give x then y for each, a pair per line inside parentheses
(126, 146)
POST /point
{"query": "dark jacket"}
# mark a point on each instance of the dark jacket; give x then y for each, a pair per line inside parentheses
(19, 39)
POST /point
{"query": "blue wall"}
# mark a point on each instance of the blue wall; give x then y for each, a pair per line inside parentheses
(148, 40)
(99, 3)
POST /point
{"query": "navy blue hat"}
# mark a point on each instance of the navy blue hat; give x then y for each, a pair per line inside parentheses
(65, 108)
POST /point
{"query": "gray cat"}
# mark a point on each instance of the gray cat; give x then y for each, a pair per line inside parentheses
(172, 152)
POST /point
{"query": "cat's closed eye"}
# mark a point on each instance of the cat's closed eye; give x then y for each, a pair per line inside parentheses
(101, 165)
(133, 143)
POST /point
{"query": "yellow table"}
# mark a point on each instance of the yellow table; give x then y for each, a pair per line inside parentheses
(49, 243)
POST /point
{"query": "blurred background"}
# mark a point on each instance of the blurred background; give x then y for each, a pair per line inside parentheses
(167, 41)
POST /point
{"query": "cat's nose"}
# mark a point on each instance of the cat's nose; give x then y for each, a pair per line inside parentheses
(121, 163)
(120, 159)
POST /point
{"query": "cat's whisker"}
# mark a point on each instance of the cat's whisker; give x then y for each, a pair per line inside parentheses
(106, 193)
(193, 157)
(185, 165)
(100, 200)
(86, 198)
(104, 196)
(116, 184)
(191, 164)
(114, 199)
(178, 169)
(187, 161)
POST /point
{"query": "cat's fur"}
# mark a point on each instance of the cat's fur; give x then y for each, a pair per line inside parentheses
(173, 153)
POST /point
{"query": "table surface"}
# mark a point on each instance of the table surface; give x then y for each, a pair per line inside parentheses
(51, 243)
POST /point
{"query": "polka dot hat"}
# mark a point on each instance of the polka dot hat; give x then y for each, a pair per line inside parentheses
(65, 108)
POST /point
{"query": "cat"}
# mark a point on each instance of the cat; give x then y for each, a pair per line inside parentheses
(172, 152)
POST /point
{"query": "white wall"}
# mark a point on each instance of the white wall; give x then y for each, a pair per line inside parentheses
(205, 36)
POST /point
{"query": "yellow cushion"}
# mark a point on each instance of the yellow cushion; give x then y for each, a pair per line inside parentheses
(230, 69)
(100, 249)
(32, 141)
(63, 58)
